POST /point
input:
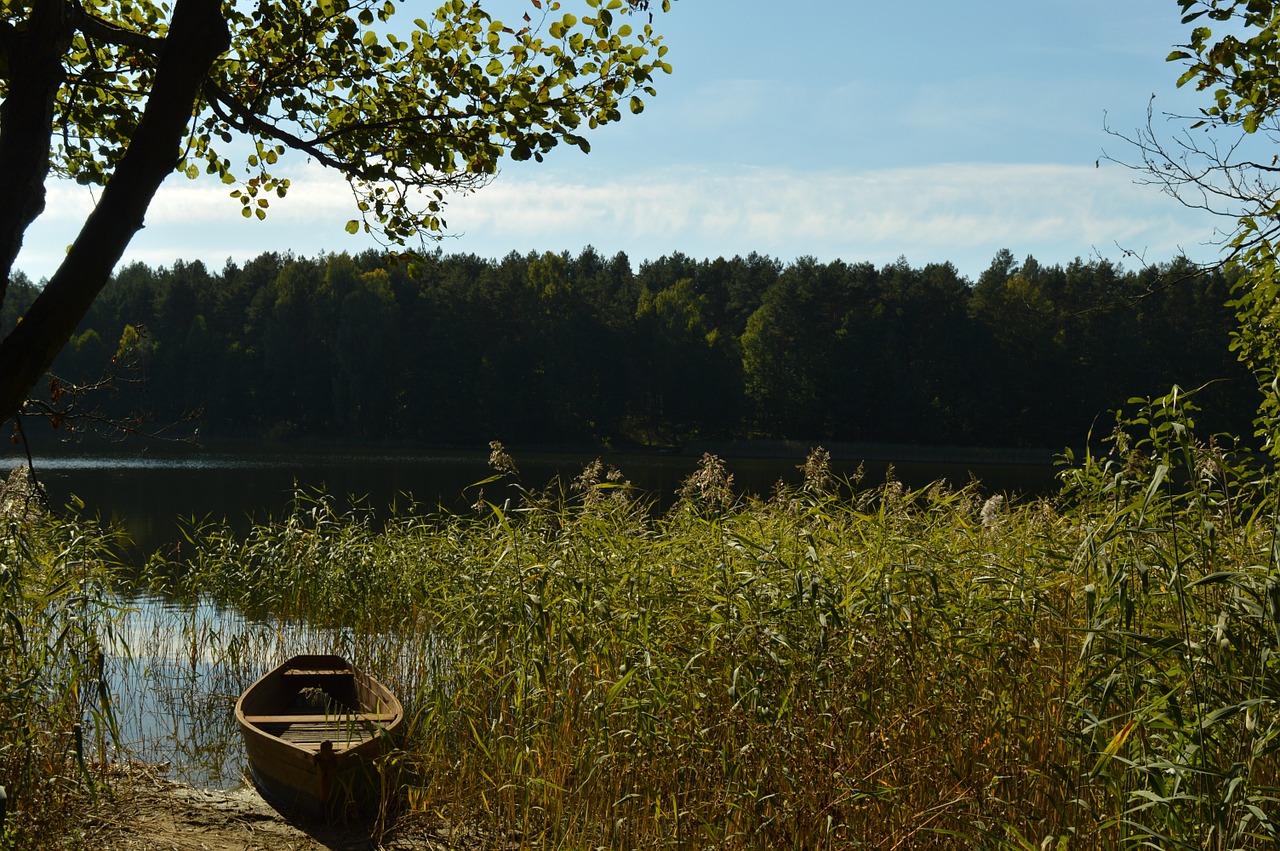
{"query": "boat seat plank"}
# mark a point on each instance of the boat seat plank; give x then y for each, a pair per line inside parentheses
(332, 718)
(306, 738)
(317, 672)
(312, 735)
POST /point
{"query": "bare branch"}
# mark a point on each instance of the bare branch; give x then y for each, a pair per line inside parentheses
(1203, 172)
(242, 118)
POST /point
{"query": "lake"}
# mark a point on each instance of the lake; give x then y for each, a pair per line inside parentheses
(150, 491)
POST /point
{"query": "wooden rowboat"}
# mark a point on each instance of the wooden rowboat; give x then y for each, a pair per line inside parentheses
(313, 729)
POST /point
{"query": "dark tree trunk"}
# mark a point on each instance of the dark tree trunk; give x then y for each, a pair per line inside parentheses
(197, 35)
(34, 58)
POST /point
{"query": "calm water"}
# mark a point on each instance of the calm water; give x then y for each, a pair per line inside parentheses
(150, 493)
(175, 671)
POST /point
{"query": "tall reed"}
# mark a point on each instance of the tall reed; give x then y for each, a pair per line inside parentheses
(56, 719)
(835, 666)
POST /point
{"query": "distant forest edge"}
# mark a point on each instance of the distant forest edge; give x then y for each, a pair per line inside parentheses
(552, 348)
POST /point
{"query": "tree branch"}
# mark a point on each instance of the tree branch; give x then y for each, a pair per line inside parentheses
(111, 34)
(198, 34)
(26, 122)
(239, 116)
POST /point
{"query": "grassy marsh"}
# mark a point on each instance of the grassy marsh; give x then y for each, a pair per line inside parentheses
(835, 666)
(828, 667)
(55, 713)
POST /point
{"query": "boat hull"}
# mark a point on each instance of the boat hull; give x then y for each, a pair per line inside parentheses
(314, 730)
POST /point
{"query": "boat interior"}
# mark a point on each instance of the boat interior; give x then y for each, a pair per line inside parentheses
(311, 706)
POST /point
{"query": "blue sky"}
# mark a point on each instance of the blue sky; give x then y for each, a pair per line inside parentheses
(934, 130)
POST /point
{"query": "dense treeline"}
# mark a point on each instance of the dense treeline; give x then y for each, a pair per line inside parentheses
(556, 348)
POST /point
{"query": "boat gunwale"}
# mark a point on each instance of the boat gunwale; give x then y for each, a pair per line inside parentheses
(388, 719)
(303, 775)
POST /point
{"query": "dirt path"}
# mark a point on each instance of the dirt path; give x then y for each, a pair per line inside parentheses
(149, 813)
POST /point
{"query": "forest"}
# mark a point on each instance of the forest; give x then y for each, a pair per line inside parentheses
(554, 348)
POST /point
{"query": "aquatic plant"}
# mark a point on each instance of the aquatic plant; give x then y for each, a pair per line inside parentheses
(56, 718)
(834, 666)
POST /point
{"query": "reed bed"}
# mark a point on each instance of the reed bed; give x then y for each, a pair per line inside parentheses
(834, 666)
(56, 719)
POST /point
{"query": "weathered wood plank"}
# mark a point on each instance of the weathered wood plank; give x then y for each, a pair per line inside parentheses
(316, 672)
(332, 718)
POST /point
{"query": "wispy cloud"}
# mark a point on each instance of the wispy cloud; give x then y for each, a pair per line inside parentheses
(316, 194)
(933, 212)
(959, 212)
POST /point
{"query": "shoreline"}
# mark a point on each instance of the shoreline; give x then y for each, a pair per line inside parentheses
(745, 450)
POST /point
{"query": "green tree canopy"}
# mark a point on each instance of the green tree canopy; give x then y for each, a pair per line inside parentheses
(1222, 159)
(121, 93)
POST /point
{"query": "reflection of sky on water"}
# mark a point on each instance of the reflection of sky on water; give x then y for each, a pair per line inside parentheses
(175, 672)
(219, 461)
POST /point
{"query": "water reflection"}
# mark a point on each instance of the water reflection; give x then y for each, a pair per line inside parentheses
(229, 461)
(175, 671)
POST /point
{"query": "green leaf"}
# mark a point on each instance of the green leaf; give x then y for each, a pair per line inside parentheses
(353, 226)
(404, 112)
(1217, 577)
(616, 688)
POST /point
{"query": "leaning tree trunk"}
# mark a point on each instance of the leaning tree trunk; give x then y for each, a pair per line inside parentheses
(34, 59)
(197, 35)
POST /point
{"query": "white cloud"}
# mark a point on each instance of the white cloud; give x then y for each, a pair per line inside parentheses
(940, 211)
(316, 194)
(189, 220)
(959, 212)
